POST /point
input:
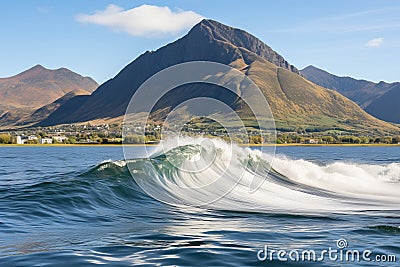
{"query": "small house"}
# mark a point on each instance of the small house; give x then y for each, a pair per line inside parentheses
(59, 139)
(46, 141)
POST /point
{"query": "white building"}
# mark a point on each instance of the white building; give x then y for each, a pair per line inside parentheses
(24, 139)
(21, 140)
(312, 141)
(46, 141)
(59, 139)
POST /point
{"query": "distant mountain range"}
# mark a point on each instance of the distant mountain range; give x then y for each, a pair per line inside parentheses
(39, 86)
(378, 99)
(294, 101)
(387, 106)
(22, 94)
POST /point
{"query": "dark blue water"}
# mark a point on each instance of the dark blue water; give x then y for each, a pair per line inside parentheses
(59, 206)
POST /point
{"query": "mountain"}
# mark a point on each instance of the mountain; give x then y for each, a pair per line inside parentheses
(39, 86)
(208, 41)
(295, 101)
(376, 98)
(27, 117)
(43, 112)
(387, 106)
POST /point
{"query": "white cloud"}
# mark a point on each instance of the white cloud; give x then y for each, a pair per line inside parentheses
(42, 9)
(145, 20)
(375, 42)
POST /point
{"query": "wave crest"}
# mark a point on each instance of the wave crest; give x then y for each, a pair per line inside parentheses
(175, 174)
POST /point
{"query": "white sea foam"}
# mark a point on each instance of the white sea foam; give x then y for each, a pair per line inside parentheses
(292, 185)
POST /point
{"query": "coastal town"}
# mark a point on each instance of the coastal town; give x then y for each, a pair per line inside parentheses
(64, 134)
(112, 134)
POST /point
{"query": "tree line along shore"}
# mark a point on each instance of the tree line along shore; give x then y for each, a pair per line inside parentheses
(281, 139)
(107, 134)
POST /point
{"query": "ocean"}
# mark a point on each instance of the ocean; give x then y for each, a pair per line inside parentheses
(80, 206)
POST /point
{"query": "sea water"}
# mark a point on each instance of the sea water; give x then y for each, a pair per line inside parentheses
(80, 206)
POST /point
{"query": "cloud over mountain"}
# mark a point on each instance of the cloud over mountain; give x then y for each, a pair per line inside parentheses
(145, 20)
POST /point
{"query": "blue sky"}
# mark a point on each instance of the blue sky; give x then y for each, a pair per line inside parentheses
(353, 38)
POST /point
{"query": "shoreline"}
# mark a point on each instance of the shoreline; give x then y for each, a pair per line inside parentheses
(241, 145)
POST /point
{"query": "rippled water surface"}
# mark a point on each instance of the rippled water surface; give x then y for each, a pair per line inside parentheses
(79, 206)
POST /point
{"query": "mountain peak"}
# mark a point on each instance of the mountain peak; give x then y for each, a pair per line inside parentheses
(31, 72)
(310, 67)
(34, 69)
(38, 86)
(210, 22)
(38, 66)
(221, 33)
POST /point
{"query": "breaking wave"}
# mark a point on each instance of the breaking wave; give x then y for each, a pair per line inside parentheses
(217, 175)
